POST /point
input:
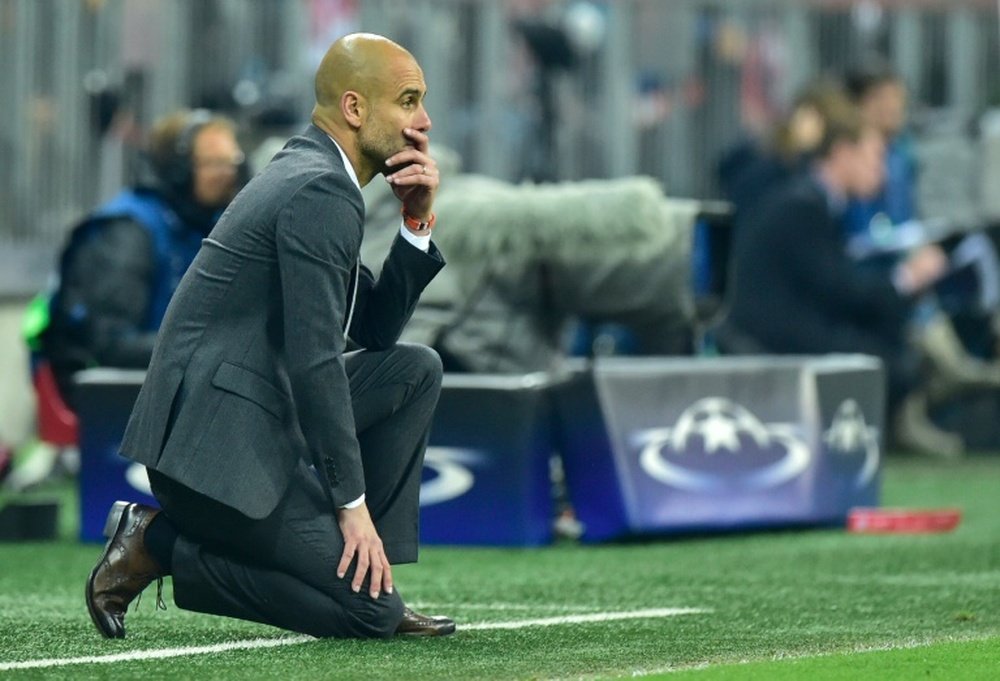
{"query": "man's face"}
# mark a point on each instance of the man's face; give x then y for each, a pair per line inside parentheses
(867, 164)
(216, 157)
(885, 107)
(805, 128)
(397, 102)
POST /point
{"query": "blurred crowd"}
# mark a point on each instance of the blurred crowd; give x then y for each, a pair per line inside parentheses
(830, 255)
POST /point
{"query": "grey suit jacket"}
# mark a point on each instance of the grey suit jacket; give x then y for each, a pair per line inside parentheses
(247, 375)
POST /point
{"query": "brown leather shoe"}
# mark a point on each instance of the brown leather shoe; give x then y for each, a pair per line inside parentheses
(415, 624)
(124, 570)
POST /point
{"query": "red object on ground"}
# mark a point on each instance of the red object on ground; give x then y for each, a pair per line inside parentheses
(902, 520)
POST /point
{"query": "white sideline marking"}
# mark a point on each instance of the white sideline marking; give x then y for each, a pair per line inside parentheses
(581, 619)
(496, 606)
(252, 644)
(257, 643)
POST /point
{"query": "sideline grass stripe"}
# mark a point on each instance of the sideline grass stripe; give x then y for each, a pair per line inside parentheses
(945, 660)
(258, 643)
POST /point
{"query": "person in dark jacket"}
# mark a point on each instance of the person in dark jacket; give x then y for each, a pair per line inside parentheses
(288, 467)
(796, 291)
(752, 169)
(122, 263)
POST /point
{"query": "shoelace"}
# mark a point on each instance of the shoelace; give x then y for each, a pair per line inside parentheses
(160, 605)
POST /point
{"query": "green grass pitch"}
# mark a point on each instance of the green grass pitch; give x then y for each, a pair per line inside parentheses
(809, 604)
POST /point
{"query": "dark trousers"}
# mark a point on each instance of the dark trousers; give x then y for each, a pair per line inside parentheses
(281, 570)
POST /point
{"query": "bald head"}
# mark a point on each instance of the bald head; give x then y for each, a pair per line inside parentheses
(369, 91)
(356, 62)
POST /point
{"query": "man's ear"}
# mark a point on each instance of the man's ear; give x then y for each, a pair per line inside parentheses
(353, 107)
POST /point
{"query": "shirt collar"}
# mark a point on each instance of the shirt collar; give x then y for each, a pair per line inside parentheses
(347, 164)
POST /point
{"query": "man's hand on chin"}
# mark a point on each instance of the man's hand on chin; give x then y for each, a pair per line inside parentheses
(416, 181)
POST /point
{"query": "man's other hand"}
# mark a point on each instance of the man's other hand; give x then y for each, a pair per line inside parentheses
(361, 541)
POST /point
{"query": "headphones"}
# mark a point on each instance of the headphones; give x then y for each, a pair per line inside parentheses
(177, 170)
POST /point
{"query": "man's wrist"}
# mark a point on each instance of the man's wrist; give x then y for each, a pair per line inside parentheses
(354, 504)
(420, 226)
(421, 240)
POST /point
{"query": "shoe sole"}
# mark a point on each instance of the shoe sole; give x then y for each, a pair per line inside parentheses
(441, 630)
(111, 526)
(427, 633)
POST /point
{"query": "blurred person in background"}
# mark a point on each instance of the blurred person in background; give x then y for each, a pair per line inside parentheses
(881, 96)
(122, 263)
(598, 250)
(753, 168)
(884, 227)
(796, 290)
(117, 271)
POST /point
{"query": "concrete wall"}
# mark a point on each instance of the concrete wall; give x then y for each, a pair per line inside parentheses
(17, 398)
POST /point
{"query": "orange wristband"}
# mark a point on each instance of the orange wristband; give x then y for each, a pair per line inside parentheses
(415, 224)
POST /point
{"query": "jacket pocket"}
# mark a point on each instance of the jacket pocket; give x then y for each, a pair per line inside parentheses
(240, 381)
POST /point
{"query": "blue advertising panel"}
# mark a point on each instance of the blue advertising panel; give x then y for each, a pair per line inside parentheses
(486, 472)
(725, 443)
(105, 399)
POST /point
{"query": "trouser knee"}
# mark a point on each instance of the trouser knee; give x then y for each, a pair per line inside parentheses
(359, 617)
(423, 362)
(379, 619)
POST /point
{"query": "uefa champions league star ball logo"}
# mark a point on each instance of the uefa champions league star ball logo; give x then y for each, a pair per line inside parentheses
(447, 474)
(850, 436)
(719, 444)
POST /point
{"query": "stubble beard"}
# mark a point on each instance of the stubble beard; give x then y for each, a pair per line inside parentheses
(376, 148)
